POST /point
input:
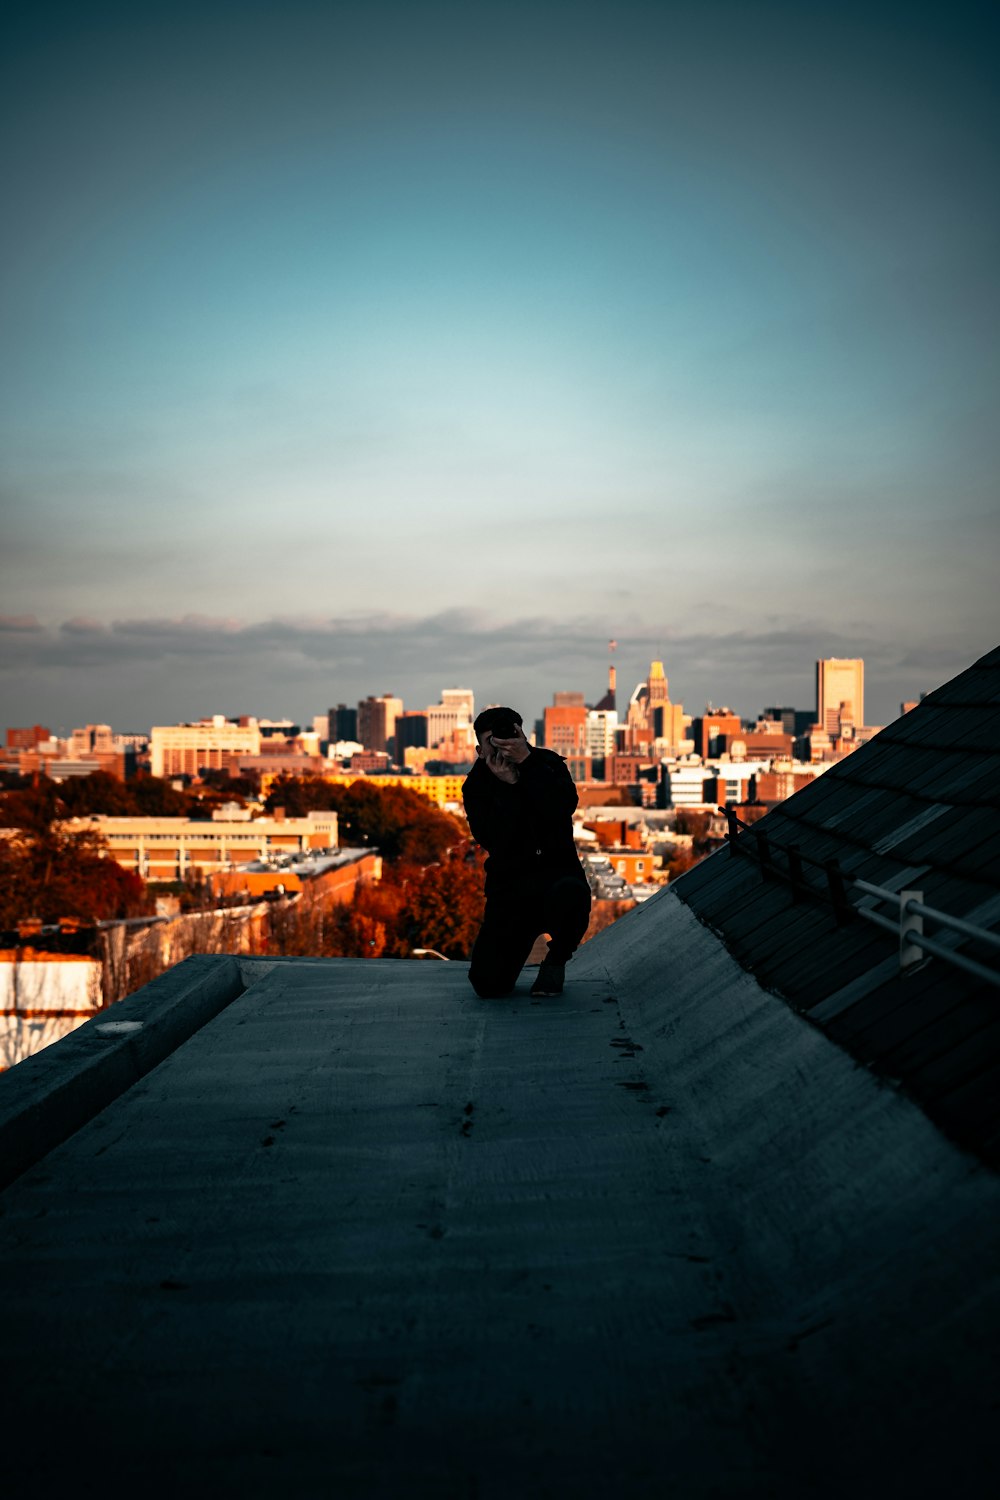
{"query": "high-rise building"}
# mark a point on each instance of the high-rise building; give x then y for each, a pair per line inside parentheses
(210, 744)
(602, 725)
(456, 711)
(377, 721)
(565, 732)
(711, 726)
(93, 737)
(342, 724)
(602, 731)
(794, 721)
(27, 739)
(411, 732)
(654, 724)
(840, 694)
(657, 683)
(464, 699)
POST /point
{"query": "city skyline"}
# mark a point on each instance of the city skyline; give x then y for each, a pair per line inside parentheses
(373, 349)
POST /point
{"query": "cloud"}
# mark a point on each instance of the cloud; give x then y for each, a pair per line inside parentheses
(20, 624)
(83, 625)
(137, 672)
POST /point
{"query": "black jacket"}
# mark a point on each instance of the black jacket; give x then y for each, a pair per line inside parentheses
(527, 828)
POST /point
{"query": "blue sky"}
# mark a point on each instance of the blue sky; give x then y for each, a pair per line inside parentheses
(364, 348)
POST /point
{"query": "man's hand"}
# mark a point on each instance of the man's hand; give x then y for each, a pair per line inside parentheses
(504, 756)
(515, 750)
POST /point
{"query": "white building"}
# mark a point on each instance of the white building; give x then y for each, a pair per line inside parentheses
(601, 728)
(172, 848)
(43, 997)
(457, 710)
(185, 749)
(685, 780)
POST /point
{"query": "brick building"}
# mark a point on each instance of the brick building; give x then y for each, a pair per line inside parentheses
(565, 730)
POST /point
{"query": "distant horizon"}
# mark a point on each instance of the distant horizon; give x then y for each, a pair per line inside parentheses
(133, 679)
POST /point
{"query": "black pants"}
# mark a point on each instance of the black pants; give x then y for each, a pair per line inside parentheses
(514, 917)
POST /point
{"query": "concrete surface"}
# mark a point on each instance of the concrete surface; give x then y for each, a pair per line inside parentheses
(363, 1234)
(49, 1095)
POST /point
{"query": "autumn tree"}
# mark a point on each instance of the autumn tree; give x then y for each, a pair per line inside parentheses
(694, 824)
(300, 795)
(49, 873)
(100, 792)
(32, 808)
(154, 797)
(217, 787)
(103, 794)
(437, 906)
(680, 862)
(444, 907)
(398, 822)
(604, 914)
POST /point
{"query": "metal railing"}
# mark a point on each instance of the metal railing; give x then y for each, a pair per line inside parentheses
(907, 925)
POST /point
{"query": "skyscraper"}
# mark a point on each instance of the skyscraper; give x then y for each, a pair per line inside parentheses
(655, 723)
(377, 721)
(343, 723)
(566, 733)
(411, 732)
(840, 693)
(457, 710)
(657, 683)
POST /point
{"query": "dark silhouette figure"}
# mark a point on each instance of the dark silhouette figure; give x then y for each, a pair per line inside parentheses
(519, 801)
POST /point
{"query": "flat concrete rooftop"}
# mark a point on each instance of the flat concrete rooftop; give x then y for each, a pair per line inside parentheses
(364, 1234)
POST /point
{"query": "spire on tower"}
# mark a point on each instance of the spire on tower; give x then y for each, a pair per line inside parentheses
(657, 682)
(608, 703)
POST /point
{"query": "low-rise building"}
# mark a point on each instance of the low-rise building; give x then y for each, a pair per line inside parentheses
(94, 747)
(118, 763)
(631, 864)
(783, 781)
(334, 877)
(692, 782)
(443, 791)
(169, 849)
(618, 832)
(282, 763)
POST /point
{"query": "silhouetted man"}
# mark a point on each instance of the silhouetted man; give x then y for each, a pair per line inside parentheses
(519, 802)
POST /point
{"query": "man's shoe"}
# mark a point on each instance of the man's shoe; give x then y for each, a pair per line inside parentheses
(550, 978)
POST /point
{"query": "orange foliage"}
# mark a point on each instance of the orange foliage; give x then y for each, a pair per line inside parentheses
(50, 875)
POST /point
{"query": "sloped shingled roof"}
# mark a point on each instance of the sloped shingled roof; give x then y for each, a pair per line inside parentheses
(917, 808)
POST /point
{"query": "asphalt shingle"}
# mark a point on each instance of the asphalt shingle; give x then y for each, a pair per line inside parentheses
(917, 808)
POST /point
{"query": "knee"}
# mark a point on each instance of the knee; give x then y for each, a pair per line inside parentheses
(487, 991)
